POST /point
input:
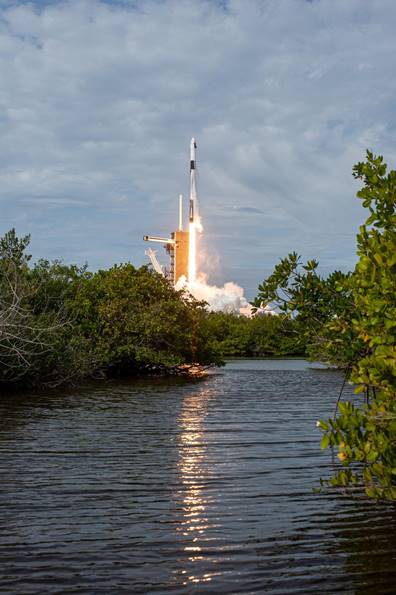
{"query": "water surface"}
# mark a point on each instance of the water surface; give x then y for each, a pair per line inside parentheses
(168, 486)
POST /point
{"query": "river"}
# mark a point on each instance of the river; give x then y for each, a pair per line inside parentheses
(185, 487)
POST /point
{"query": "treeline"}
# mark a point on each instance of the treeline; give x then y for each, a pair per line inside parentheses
(259, 336)
(62, 324)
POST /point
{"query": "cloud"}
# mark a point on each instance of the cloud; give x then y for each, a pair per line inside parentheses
(249, 210)
(99, 100)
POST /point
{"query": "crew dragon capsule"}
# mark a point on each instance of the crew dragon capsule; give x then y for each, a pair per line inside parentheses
(193, 183)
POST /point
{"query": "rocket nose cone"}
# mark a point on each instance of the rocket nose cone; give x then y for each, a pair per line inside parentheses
(193, 146)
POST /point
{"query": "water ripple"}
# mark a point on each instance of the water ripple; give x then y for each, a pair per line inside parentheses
(168, 486)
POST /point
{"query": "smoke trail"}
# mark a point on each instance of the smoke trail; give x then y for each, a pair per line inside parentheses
(192, 255)
(228, 298)
(194, 228)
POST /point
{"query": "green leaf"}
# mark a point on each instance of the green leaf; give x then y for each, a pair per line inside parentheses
(324, 443)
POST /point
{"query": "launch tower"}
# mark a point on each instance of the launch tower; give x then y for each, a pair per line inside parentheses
(177, 245)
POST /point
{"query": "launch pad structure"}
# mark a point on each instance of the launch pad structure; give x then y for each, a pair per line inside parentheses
(177, 245)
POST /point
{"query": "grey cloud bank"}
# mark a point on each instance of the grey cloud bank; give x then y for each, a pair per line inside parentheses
(99, 101)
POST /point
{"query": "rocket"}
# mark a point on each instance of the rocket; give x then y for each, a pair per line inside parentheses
(193, 182)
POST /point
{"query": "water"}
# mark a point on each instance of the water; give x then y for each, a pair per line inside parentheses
(168, 486)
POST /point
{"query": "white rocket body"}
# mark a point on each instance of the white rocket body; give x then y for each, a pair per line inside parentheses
(193, 181)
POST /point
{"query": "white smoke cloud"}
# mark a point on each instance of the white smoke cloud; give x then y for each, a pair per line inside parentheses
(229, 298)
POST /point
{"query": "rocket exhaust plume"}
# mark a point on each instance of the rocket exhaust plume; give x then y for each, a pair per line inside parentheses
(192, 254)
(230, 297)
(183, 272)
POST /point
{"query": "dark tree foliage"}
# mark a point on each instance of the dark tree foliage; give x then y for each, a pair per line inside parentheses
(61, 324)
(323, 307)
(259, 336)
(134, 321)
(26, 337)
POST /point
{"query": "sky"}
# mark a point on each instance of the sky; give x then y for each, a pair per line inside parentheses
(99, 100)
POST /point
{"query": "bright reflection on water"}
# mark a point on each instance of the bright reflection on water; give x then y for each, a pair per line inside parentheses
(167, 486)
(193, 474)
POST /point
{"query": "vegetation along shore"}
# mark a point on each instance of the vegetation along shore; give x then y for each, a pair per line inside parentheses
(62, 324)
